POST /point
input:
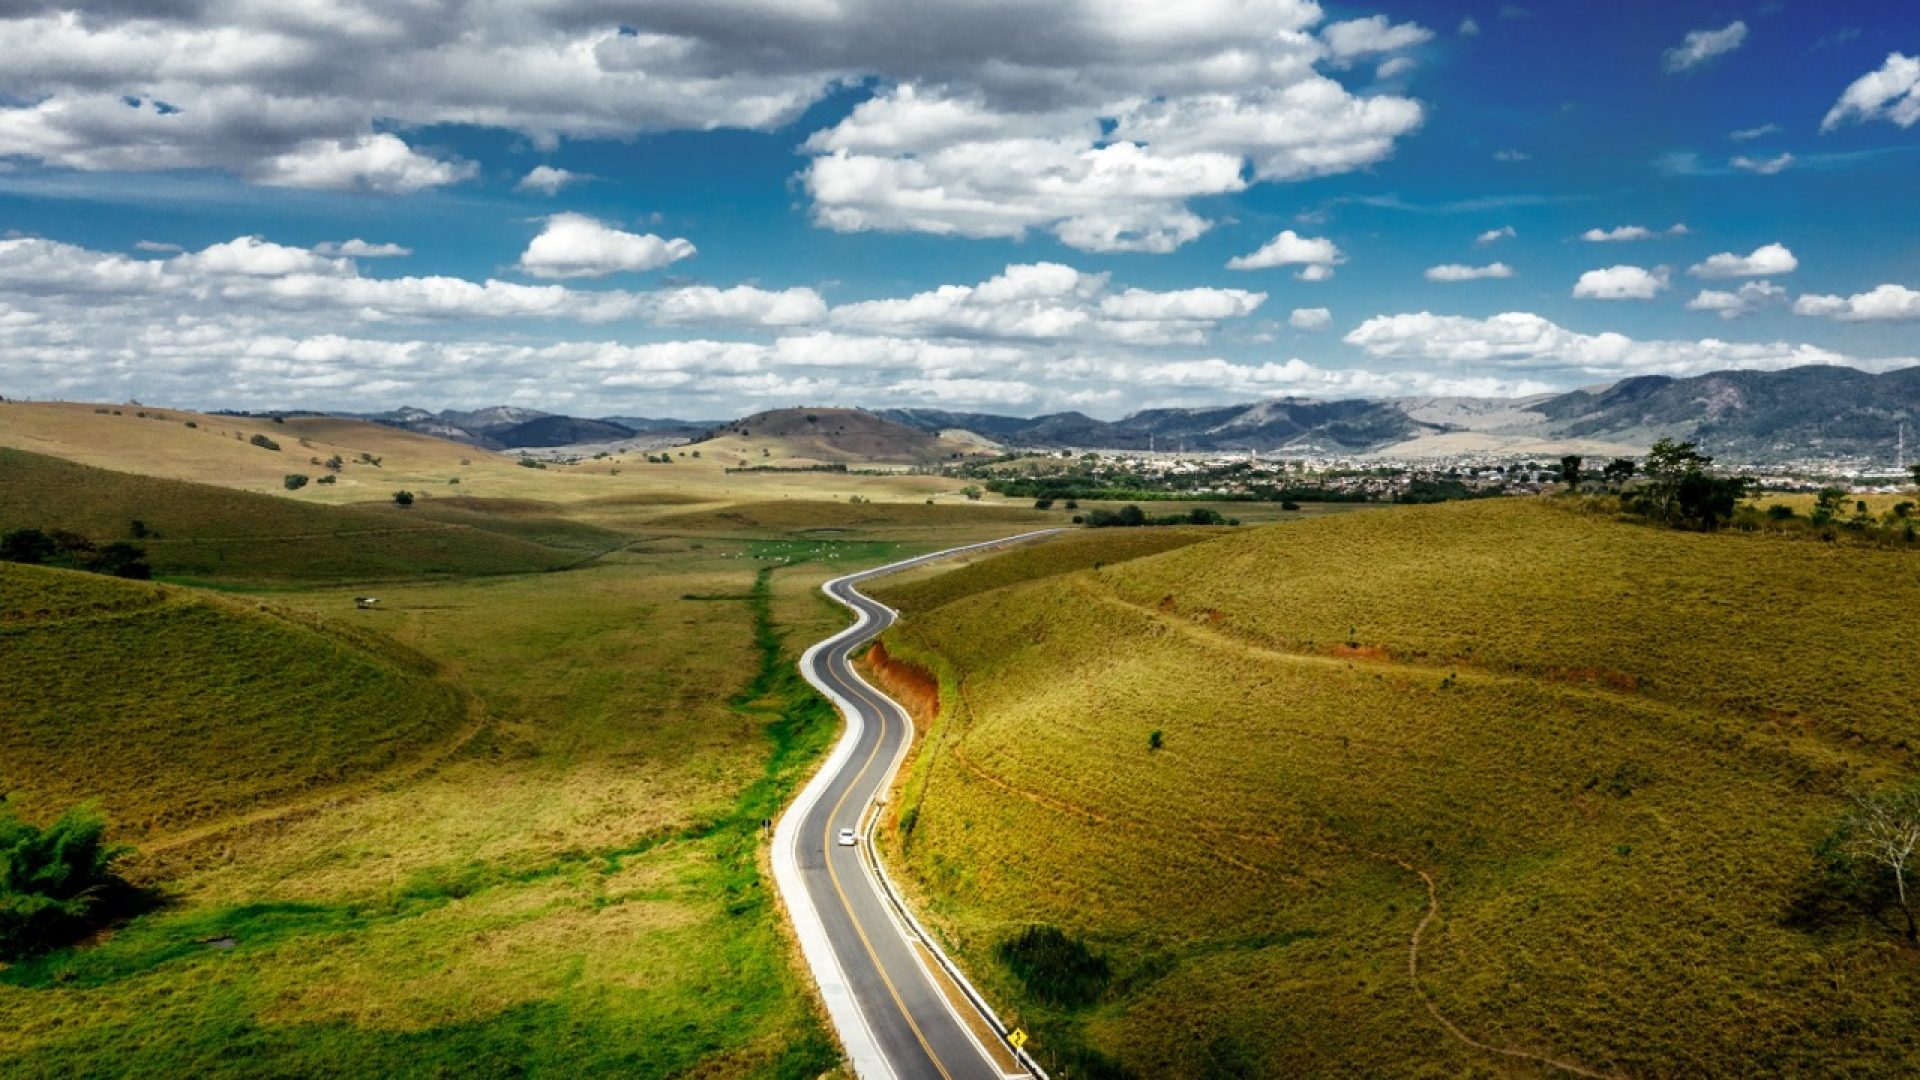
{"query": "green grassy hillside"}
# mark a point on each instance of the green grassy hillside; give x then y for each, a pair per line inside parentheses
(171, 708)
(1473, 789)
(197, 531)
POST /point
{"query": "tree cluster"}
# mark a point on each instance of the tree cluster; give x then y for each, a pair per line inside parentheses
(71, 551)
(1131, 516)
(1680, 488)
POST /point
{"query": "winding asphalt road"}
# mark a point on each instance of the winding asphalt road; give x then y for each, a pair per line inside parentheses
(881, 985)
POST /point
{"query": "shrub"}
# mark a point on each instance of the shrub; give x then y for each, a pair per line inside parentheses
(1043, 504)
(403, 498)
(193, 423)
(328, 479)
(264, 443)
(55, 883)
(294, 481)
(1056, 969)
(1156, 740)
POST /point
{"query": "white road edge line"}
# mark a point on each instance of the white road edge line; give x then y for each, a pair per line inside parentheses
(843, 1008)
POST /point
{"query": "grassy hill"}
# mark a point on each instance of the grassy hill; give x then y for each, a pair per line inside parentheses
(793, 437)
(203, 532)
(1474, 789)
(212, 448)
(171, 707)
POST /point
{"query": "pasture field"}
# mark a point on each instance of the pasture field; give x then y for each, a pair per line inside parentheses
(532, 844)
(203, 533)
(1481, 789)
(172, 707)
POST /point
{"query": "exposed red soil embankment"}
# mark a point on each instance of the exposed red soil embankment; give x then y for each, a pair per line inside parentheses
(907, 683)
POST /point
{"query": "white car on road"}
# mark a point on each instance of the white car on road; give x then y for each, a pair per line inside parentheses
(848, 838)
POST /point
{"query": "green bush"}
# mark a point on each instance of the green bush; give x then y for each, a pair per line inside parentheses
(56, 883)
(295, 481)
(264, 443)
(1056, 969)
(403, 498)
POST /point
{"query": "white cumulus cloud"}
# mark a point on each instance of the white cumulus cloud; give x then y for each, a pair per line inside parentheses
(1462, 272)
(1373, 34)
(1891, 93)
(363, 249)
(1621, 283)
(1749, 298)
(1494, 236)
(1529, 342)
(1887, 303)
(1766, 260)
(1052, 302)
(379, 163)
(1317, 254)
(1310, 318)
(576, 246)
(547, 180)
(1625, 233)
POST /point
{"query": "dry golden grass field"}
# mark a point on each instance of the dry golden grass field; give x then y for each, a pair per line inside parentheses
(1582, 763)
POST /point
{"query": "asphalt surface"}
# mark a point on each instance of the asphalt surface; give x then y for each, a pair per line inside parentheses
(910, 1021)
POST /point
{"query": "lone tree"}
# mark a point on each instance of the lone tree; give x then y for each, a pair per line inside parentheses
(1619, 471)
(1827, 505)
(1883, 831)
(403, 498)
(1570, 471)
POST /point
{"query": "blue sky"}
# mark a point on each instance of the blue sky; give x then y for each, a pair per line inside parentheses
(1011, 206)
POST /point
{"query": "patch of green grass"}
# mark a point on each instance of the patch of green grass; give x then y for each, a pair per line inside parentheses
(575, 892)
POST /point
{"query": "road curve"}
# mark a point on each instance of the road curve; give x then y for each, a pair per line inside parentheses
(875, 969)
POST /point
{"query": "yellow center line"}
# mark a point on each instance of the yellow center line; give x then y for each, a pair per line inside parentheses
(826, 848)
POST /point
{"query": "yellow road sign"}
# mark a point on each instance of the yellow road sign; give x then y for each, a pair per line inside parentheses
(1017, 1038)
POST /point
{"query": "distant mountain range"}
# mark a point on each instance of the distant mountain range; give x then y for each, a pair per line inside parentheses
(509, 427)
(1749, 416)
